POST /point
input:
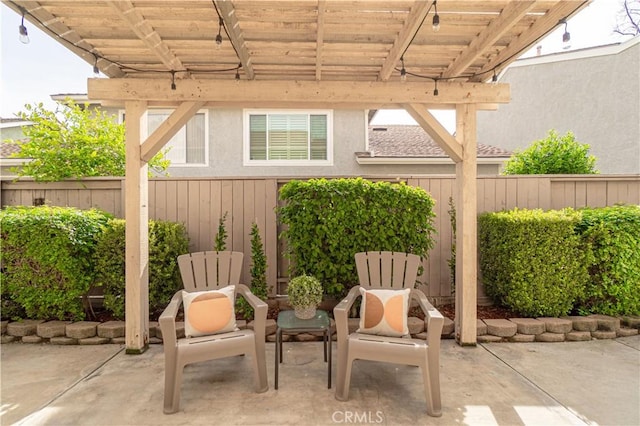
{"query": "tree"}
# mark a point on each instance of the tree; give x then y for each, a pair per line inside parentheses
(553, 155)
(628, 18)
(74, 142)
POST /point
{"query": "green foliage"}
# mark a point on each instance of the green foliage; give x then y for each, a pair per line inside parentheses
(304, 291)
(220, 242)
(329, 221)
(533, 261)
(258, 273)
(167, 240)
(613, 233)
(553, 155)
(452, 260)
(46, 253)
(74, 142)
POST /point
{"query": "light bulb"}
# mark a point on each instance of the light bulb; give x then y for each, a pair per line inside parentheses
(22, 30)
(218, 41)
(96, 70)
(436, 23)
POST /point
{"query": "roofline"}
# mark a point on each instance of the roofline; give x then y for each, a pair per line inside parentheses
(424, 160)
(589, 52)
(8, 124)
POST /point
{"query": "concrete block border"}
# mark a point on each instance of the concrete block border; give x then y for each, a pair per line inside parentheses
(520, 330)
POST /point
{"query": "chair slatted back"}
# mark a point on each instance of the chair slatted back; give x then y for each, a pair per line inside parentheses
(386, 269)
(210, 270)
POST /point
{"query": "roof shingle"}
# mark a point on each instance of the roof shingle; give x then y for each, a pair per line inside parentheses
(412, 141)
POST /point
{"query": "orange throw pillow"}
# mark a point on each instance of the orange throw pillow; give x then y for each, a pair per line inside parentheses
(209, 312)
(384, 312)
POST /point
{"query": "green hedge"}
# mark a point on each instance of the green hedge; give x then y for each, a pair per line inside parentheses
(167, 240)
(533, 261)
(328, 221)
(613, 233)
(46, 255)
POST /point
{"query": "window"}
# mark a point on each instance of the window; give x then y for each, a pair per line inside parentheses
(188, 147)
(287, 138)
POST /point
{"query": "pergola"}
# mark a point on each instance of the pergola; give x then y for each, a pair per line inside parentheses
(297, 54)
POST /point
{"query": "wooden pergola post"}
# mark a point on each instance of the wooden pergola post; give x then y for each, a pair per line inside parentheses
(137, 230)
(466, 227)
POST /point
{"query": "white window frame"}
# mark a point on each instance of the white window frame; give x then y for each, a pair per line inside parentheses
(247, 161)
(206, 135)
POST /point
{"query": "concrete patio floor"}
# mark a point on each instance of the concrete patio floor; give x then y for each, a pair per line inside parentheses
(596, 382)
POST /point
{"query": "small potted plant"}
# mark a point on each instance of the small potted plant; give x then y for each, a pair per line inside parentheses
(305, 294)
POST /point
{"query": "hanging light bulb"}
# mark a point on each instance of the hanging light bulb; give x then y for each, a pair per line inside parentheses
(173, 80)
(435, 90)
(435, 23)
(96, 70)
(403, 72)
(494, 79)
(219, 36)
(22, 30)
(566, 37)
(238, 73)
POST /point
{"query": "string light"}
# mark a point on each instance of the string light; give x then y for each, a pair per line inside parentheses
(494, 79)
(96, 70)
(22, 30)
(173, 80)
(435, 90)
(435, 24)
(219, 36)
(566, 37)
(238, 72)
(403, 72)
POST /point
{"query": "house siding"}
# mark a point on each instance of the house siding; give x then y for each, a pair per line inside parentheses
(596, 96)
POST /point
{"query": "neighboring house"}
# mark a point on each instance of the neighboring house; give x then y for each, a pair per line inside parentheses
(301, 143)
(594, 92)
(10, 129)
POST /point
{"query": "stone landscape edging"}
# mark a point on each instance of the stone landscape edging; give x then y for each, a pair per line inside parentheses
(572, 328)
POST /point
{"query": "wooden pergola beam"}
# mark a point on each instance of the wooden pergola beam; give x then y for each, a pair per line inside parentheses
(236, 36)
(145, 32)
(540, 28)
(298, 93)
(510, 16)
(418, 12)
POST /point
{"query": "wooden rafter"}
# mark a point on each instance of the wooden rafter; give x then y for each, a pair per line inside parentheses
(146, 33)
(510, 15)
(236, 37)
(412, 24)
(320, 38)
(561, 10)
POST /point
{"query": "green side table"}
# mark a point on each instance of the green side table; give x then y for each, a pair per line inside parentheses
(289, 323)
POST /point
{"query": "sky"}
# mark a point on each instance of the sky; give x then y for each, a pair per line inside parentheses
(32, 72)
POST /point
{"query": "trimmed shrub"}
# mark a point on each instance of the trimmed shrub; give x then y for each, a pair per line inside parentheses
(613, 233)
(532, 261)
(328, 221)
(46, 255)
(258, 274)
(167, 240)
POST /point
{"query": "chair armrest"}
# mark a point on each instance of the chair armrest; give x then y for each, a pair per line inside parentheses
(341, 313)
(167, 320)
(435, 320)
(260, 309)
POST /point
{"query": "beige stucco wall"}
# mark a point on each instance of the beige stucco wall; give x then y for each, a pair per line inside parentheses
(594, 93)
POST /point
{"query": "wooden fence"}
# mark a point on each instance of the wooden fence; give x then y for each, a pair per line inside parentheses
(199, 203)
